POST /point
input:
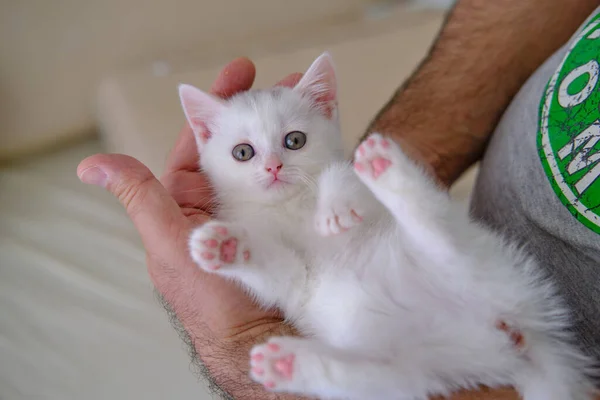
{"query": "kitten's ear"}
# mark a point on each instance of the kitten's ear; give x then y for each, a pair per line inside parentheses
(200, 109)
(319, 82)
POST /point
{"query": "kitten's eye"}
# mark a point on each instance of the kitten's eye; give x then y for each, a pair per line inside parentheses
(243, 152)
(295, 140)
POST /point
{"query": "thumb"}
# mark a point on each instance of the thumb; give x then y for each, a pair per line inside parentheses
(155, 214)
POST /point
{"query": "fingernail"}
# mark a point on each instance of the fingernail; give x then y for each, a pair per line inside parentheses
(93, 176)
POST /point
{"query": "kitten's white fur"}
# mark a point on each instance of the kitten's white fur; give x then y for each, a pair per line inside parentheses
(403, 304)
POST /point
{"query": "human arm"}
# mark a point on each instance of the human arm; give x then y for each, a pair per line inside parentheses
(445, 113)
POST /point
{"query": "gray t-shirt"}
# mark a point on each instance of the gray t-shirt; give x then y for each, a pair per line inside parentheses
(539, 179)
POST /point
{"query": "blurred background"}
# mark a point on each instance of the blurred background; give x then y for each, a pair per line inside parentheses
(78, 319)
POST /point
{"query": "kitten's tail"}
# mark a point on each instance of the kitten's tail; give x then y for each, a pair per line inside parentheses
(557, 371)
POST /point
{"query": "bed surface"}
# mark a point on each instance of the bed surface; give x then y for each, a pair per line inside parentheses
(78, 318)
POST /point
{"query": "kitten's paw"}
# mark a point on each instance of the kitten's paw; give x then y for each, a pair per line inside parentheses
(216, 244)
(374, 156)
(273, 364)
(334, 219)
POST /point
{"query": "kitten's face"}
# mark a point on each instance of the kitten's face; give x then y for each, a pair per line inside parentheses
(268, 145)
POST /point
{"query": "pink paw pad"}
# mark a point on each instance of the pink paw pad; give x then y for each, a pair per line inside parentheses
(371, 156)
(217, 246)
(273, 365)
(211, 243)
(221, 230)
(228, 250)
(379, 166)
(274, 347)
(285, 366)
(358, 166)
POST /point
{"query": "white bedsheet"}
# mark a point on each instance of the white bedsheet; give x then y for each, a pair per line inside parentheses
(78, 318)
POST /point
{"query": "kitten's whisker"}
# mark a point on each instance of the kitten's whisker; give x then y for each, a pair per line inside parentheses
(199, 190)
(207, 202)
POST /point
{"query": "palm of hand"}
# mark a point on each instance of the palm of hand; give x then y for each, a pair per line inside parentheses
(209, 307)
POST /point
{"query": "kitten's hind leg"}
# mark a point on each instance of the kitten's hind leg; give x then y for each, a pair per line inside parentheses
(419, 206)
(308, 367)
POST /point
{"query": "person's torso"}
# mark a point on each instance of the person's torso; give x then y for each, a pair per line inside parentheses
(540, 178)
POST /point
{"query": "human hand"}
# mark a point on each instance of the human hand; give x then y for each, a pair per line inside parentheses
(220, 319)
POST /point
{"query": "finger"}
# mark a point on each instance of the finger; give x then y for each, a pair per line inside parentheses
(235, 77)
(290, 80)
(190, 190)
(153, 211)
(184, 156)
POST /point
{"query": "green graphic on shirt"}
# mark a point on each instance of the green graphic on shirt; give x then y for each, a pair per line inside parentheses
(569, 135)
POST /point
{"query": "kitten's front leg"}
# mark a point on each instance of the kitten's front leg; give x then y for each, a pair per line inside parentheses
(343, 201)
(216, 245)
(424, 211)
(227, 249)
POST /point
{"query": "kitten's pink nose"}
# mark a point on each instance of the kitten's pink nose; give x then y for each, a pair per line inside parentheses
(273, 165)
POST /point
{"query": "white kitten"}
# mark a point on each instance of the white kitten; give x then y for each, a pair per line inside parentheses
(398, 293)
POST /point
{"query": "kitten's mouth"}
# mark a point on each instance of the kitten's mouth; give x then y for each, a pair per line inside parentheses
(276, 182)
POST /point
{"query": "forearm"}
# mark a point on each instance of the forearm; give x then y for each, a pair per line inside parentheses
(445, 113)
(223, 360)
